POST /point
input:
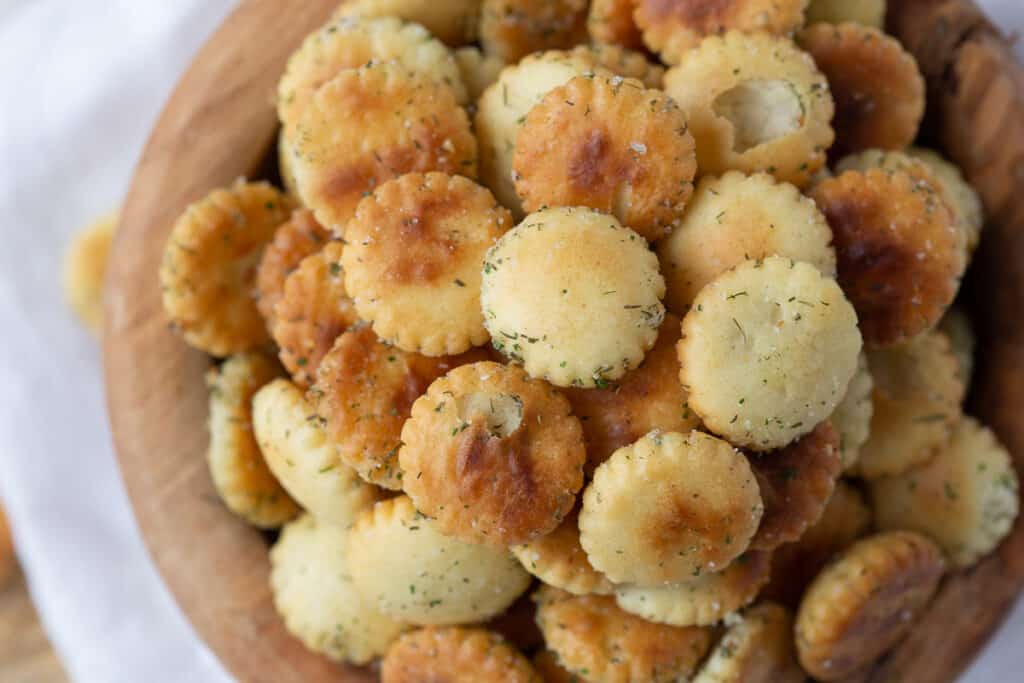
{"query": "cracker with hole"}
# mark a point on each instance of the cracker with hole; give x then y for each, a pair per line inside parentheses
(755, 103)
(705, 598)
(768, 351)
(402, 564)
(493, 455)
(734, 218)
(413, 257)
(573, 296)
(455, 655)
(313, 311)
(864, 602)
(364, 393)
(301, 457)
(208, 271)
(900, 254)
(608, 143)
(966, 497)
(669, 507)
(369, 125)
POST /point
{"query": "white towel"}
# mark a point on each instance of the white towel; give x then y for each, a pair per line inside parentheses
(83, 81)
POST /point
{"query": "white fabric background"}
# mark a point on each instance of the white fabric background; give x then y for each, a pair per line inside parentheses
(83, 80)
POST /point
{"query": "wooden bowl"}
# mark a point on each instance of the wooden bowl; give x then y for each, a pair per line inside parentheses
(220, 124)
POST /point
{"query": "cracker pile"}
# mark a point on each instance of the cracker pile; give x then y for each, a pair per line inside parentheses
(632, 317)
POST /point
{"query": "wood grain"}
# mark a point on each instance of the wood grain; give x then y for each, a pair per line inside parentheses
(217, 126)
(220, 123)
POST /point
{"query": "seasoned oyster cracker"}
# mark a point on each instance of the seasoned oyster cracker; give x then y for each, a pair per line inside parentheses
(453, 21)
(303, 459)
(559, 560)
(239, 472)
(768, 351)
(734, 218)
(313, 311)
(959, 330)
(624, 63)
(674, 27)
(757, 648)
(704, 598)
(852, 417)
(413, 257)
(610, 22)
(900, 254)
(364, 392)
(645, 399)
(865, 602)
(403, 565)
(965, 497)
(917, 401)
(371, 124)
(610, 144)
(867, 12)
(668, 508)
(455, 655)
(755, 103)
(85, 265)
(878, 90)
(796, 483)
(846, 518)
(208, 272)
(502, 110)
(573, 296)
(513, 29)
(599, 642)
(316, 598)
(479, 71)
(298, 237)
(494, 456)
(351, 42)
(965, 199)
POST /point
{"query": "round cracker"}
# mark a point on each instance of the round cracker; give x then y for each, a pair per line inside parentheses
(479, 71)
(705, 598)
(865, 602)
(413, 255)
(900, 254)
(645, 399)
(917, 400)
(410, 571)
(796, 484)
(350, 42)
(966, 497)
(669, 507)
(735, 218)
(318, 601)
(300, 236)
(846, 518)
(371, 124)
(494, 456)
(364, 393)
(755, 103)
(503, 107)
(453, 21)
(624, 62)
(852, 417)
(208, 272)
(608, 143)
(303, 459)
(573, 296)
(455, 655)
(513, 29)
(965, 199)
(239, 472)
(610, 22)
(676, 27)
(867, 12)
(313, 311)
(757, 648)
(85, 265)
(559, 560)
(596, 640)
(878, 90)
(768, 351)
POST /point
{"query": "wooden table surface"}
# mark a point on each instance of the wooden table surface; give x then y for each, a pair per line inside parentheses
(25, 652)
